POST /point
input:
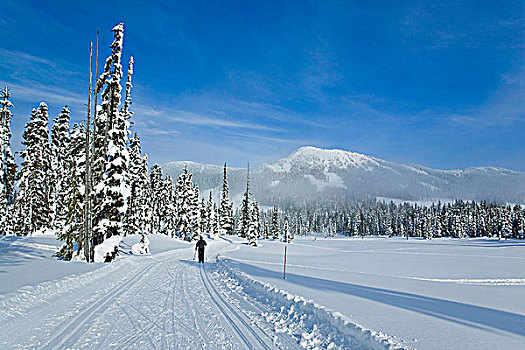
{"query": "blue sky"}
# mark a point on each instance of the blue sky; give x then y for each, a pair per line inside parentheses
(440, 84)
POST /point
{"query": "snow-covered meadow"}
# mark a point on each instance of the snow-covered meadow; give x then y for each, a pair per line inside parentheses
(339, 293)
(429, 294)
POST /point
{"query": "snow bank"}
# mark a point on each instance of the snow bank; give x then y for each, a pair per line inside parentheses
(106, 247)
(325, 329)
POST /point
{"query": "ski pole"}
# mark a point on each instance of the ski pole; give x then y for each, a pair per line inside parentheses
(194, 252)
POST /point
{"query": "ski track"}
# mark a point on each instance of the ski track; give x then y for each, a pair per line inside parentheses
(254, 308)
(154, 302)
(232, 315)
(151, 302)
(72, 329)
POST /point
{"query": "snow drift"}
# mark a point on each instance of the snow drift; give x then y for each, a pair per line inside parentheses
(325, 328)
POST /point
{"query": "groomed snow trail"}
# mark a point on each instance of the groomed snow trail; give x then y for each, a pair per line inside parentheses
(162, 301)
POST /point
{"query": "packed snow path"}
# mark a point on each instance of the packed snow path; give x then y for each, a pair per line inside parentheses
(163, 301)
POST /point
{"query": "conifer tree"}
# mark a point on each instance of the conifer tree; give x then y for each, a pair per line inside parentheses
(138, 215)
(256, 218)
(226, 210)
(505, 222)
(44, 203)
(214, 221)
(60, 139)
(111, 157)
(205, 218)
(145, 203)
(210, 215)
(275, 223)
(246, 209)
(33, 208)
(133, 214)
(126, 108)
(7, 165)
(156, 197)
(287, 237)
(184, 205)
(195, 211)
(254, 225)
(169, 207)
(74, 199)
(23, 202)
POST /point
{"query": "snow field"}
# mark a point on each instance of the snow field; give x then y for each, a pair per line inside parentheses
(443, 293)
(339, 294)
(27, 261)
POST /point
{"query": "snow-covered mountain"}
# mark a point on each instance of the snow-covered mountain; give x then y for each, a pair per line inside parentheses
(311, 173)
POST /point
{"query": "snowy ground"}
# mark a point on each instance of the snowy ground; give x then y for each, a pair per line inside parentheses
(439, 294)
(27, 261)
(444, 293)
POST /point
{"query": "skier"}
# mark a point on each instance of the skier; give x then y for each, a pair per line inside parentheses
(201, 243)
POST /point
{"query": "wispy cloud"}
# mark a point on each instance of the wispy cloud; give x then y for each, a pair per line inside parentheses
(35, 92)
(192, 118)
(23, 65)
(10, 58)
(504, 107)
(154, 131)
(33, 79)
(273, 139)
(274, 112)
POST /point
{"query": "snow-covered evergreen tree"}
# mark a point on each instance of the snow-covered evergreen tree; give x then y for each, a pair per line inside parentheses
(59, 165)
(111, 162)
(169, 207)
(205, 217)
(214, 221)
(275, 223)
(210, 215)
(254, 226)
(225, 210)
(145, 202)
(33, 207)
(126, 108)
(505, 222)
(156, 197)
(138, 182)
(246, 209)
(195, 211)
(116, 175)
(23, 204)
(184, 205)
(74, 198)
(256, 218)
(287, 236)
(7, 166)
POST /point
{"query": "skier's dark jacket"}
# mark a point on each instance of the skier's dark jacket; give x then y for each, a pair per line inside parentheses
(200, 245)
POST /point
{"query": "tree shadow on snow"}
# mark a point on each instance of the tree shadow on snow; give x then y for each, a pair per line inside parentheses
(465, 314)
(14, 255)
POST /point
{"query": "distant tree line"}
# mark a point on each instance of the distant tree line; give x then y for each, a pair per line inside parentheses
(370, 217)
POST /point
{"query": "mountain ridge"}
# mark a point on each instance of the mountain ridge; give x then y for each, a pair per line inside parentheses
(311, 173)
